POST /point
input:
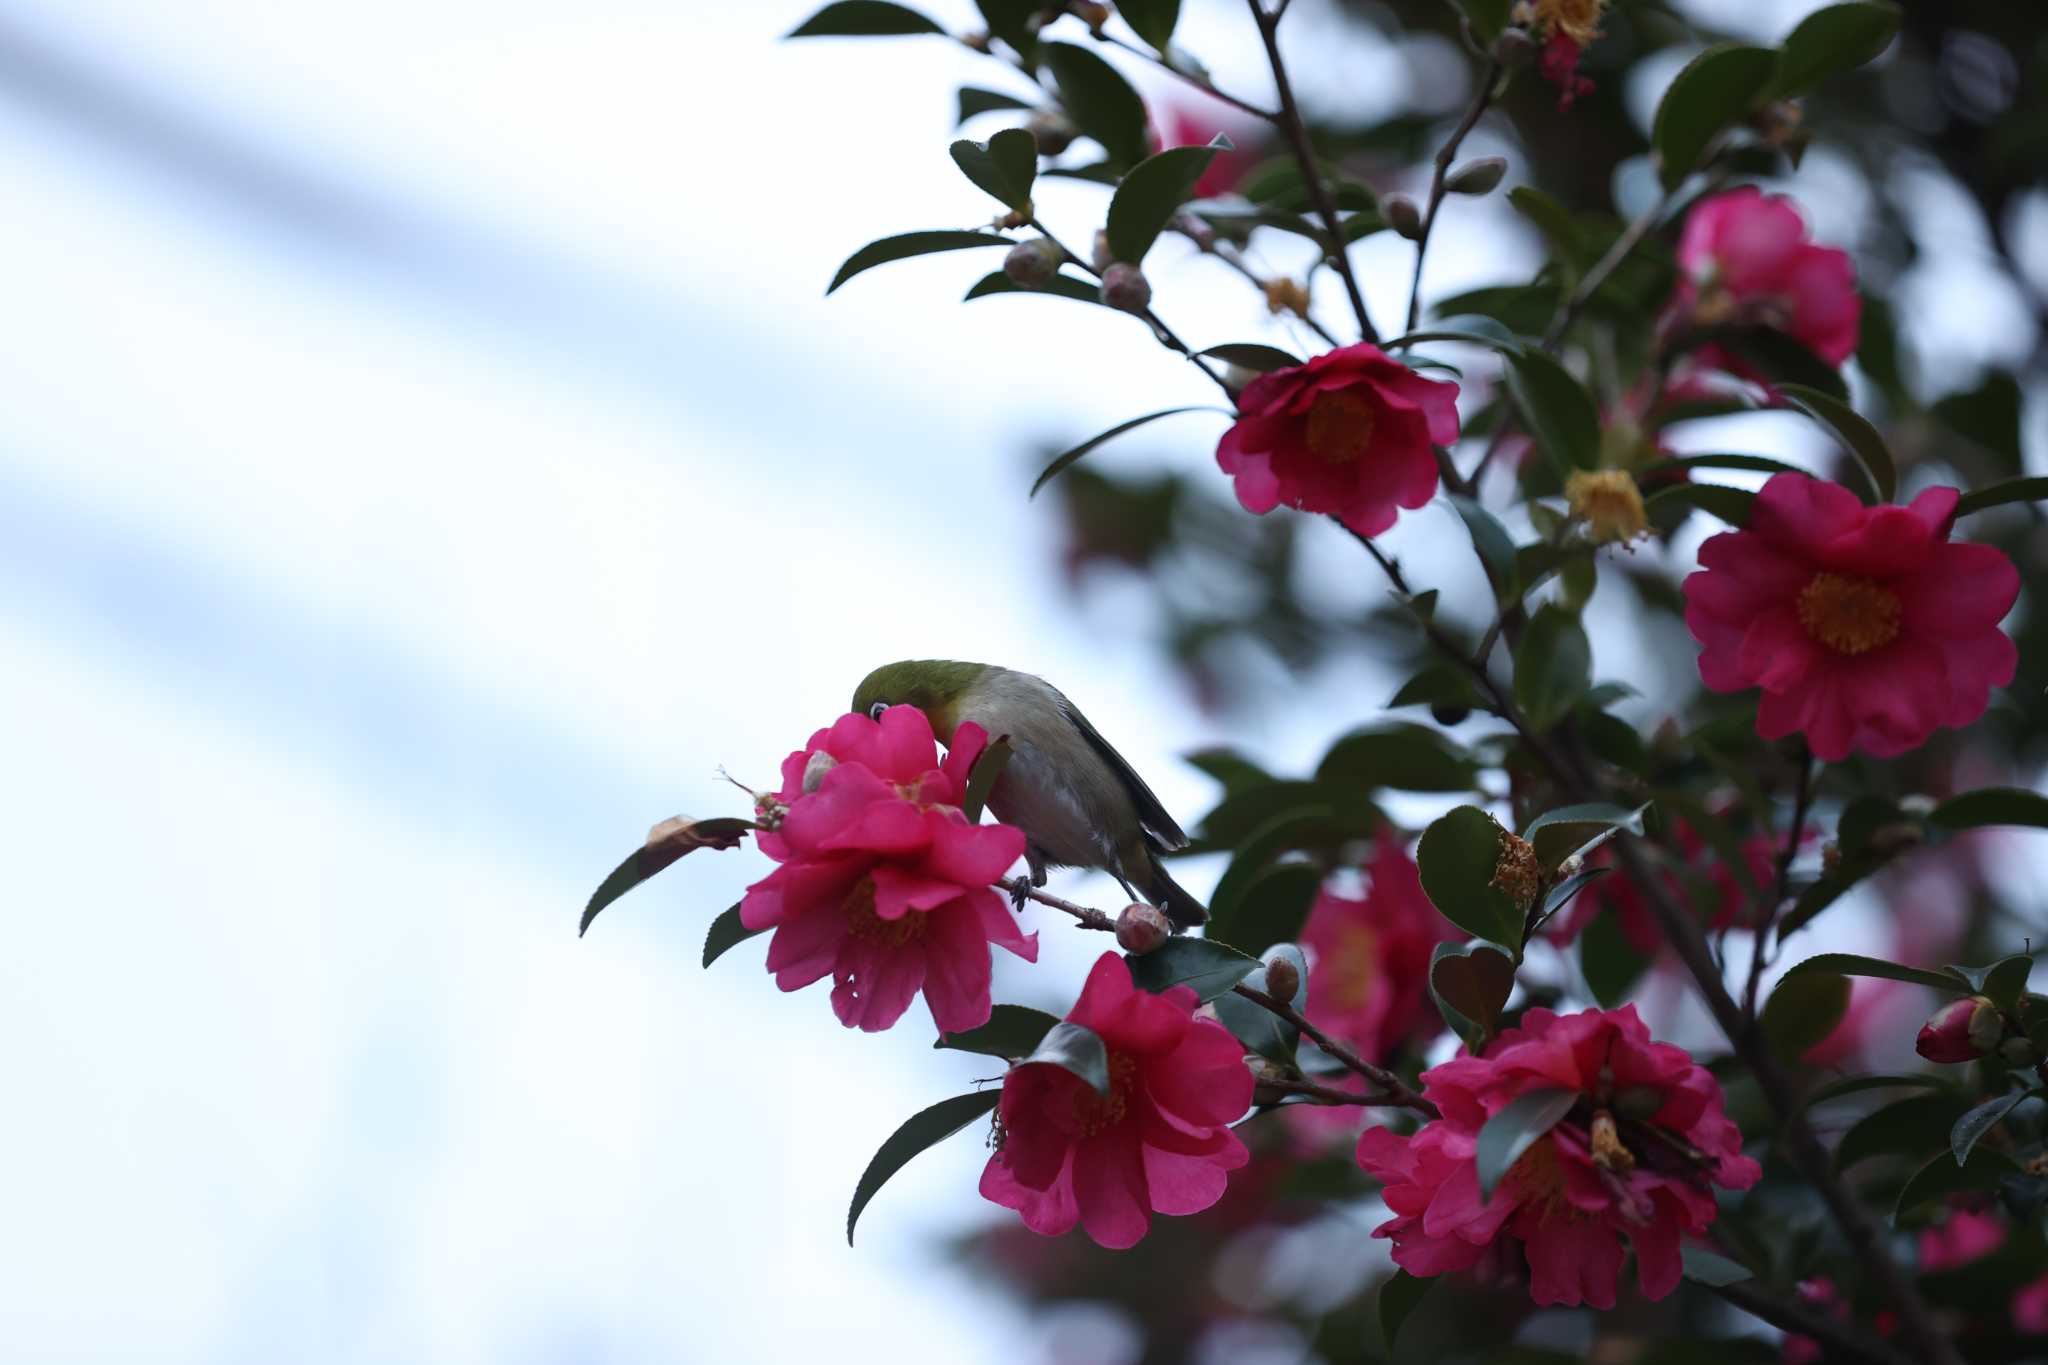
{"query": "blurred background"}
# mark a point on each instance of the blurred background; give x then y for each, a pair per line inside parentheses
(427, 456)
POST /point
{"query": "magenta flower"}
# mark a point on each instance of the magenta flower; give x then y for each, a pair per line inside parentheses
(1349, 433)
(1745, 258)
(1960, 1031)
(1866, 627)
(1637, 1158)
(1159, 1142)
(884, 884)
(2030, 1307)
(1964, 1236)
(1370, 980)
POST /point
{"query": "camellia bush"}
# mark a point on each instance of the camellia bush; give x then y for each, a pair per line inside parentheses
(1439, 1025)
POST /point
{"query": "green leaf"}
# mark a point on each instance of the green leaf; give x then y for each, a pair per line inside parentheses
(1561, 895)
(1210, 968)
(1610, 963)
(1487, 17)
(1941, 1177)
(1856, 433)
(1013, 21)
(2005, 980)
(1719, 500)
(726, 931)
(926, 1128)
(974, 100)
(1012, 1032)
(1778, 356)
(1911, 1127)
(1560, 413)
(1851, 964)
(1297, 827)
(1553, 667)
(1496, 551)
(1981, 1120)
(1711, 1268)
(1515, 1129)
(1559, 833)
(1999, 494)
(1803, 1011)
(1475, 330)
(1229, 767)
(1761, 464)
(864, 19)
(1399, 1294)
(666, 842)
(1852, 1084)
(1257, 1027)
(1062, 285)
(1076, 1050)
(982, 779)
(1458, 856)
(1100, 101)
(1272, 909)
(1438, 684)
(1554, 221)
(908, 244)
(1250, 355)
(1400, 756)
(1150, 193)
(1052, 471)
(1992, 806)
(1714, 90)
(1004, 167)
(1470, 983)
(1152, 20)
(1831, 41)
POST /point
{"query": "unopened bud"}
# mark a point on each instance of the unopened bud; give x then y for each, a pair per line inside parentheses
(815, 769)
(1450, 713)
(1514, 48)
(1960, 1031)
(1477, 177)
(2019, 1050)
(1610, 504)
(1124, 286)
(1090, 13)
(1516, 873)
(1141, 929)
(1055, 132)
(1032, 264)
(1403, 216)
(1283, 979)
(1100, 255)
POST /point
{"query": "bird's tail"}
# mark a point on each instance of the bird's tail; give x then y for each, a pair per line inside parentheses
(1166, 893)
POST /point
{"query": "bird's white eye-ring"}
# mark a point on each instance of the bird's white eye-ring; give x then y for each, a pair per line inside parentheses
(875, 711)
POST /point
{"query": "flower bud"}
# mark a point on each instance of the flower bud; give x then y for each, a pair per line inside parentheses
(1516, 872)
(1055, 132)
(1960, 1031)
(1610, 504)
(1285, 294)
(1141, 929)
(1124, 286)
(1032, 264)
(1099, 255)
(815, 769)
(1283, 979)
(1403, 216)
(1449, 712)
(2019, 1050)
(1514, 48)
(1477, 177)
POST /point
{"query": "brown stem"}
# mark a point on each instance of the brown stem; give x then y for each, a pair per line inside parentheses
(1160, 331)
(1325, 1094)
(1397, 1092)
(1311, 171)
(1189, 77)
(1232, 257)
(1090, 917)
(1767, 911)
(1488, 88)
(1843, 1339)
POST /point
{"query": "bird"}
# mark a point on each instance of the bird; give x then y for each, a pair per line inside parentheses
(1076, 799)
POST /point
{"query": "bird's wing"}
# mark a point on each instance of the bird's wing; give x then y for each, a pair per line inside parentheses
(1151, 814)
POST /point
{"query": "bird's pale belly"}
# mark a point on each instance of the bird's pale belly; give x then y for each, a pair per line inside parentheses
(1031, 795)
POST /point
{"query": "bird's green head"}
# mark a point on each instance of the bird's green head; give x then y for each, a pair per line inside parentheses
(933, 686)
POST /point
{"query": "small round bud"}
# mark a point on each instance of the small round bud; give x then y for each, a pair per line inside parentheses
(1032, 264)
(815, 769)
(1124, 286)
(1960, 1031)
(1449, 712)
(1403, 216)
(1516, 872)
(1055, 132)
(2019, 1050)
(1099, 255)
(1141, 929)
(1283, 979)
(1514, 48)
(1477, 177)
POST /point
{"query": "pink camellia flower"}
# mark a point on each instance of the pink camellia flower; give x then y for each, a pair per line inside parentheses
(1636, 1157)
(1370, 983)
(1349, 433)
(2030, 1307)
(1866, 627)
(1189, 125)
(1731, 906)
(1960, 1031)
(884, 884)
(1159, 1142)
(1744, 257)
(1964, 1236)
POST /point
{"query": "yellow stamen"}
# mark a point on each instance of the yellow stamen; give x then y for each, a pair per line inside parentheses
(1849, 615)
(1608, 1152)
(1578, 20)
(1610, 504)
(1340, 426)
(1106, 1111)
(867, 926)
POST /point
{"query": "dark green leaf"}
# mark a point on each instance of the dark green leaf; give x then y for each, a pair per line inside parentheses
(1439, 684)
(1515, 1129)
(1013, 21)
(1998, 494)
(1399, 1294)
(1400, 756)
(1471, 983)
(1210, 968)
(1714, 90)
(666, 842)
(1803, 1011)
(1853, 1084)
(908, 244)
(1496, 551)
(1856, 433)
(1257, 1027)
(1992, 806)
(1554, 221)
(1610, 963)
(1004, 167)
(975, 100)
(1152, 20)
(1271, 910)
(1830, 41)
(1052, 471)
(1560, 413)
(1296, 827)
(1560, 895)
(1941, 1177)
(987, 768)
(1580, 829)
(926, 1128)
(1729, 504)
(1980, 1121)
(1251, 355)
(1062, 285)
(1780, 357)
(1100, 101)
(1761, 464)
(864, 19)
(726, 931)
(2005, 980)
(1458, 857)
(1851, 964)
(1711, 1268)
(1488, 17)
(1989, 417)
(1012, 1032)
(1911, 1127)
(1148, 196)
(1553, 667)
(1076, 1050)
(1476, 330)
(1229, 767)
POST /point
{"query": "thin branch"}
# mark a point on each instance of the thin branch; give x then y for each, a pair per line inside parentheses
(1198, 82)
(1841, 1338)
(1089, 917)
(1311, 170)
(1232, 257)
(1767, 911)
(1489, 86)
(1324, 1094)
(1161, 332)
(1397, 1093)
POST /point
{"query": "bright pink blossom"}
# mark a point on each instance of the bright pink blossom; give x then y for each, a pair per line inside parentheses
(1187, 125)
(1159, 1142)
(1745, 258)
(1960, 1031)
(1349, 433)
(884, 884)
(1369, 985)
(1964, 1236)
(2030, 1307)
(1635, 1158)
(1866, 627)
